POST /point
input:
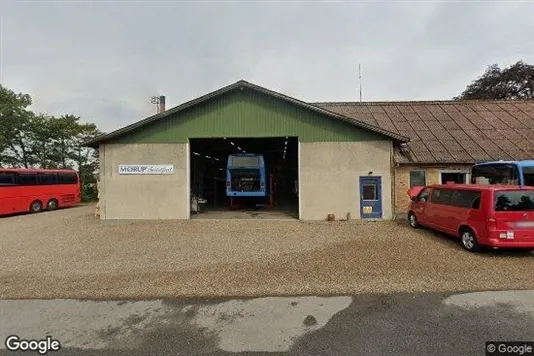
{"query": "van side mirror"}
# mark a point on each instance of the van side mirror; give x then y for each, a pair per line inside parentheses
(414, 198)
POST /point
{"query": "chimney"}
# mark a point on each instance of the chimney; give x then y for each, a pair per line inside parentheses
(162, 103)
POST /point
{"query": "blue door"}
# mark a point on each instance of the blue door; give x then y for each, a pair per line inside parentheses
(371, 197)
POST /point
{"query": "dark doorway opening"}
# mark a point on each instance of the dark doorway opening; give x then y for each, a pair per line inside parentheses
(453, 177)
(208, 177)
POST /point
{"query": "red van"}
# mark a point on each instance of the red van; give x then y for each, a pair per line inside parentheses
(480, 215)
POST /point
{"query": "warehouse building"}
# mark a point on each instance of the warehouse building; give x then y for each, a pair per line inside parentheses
(317, 162)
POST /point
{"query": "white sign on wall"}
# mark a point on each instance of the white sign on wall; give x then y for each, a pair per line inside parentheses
(146, 169)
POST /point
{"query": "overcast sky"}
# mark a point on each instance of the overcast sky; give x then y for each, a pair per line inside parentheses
(104, 60)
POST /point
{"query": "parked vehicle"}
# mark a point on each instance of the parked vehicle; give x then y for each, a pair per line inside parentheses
(246, 176)
(504, 172)
(480, 215)
(32, 190)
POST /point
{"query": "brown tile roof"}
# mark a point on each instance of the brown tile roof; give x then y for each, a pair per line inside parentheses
(451, 131)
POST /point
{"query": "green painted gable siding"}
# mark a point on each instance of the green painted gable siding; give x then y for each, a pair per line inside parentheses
(247, 113)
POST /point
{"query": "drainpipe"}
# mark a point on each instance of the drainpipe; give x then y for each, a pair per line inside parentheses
(393, 181)
(394, 190)
(395, 166)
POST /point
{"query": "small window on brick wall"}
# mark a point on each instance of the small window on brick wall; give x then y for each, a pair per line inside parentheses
(417, 179)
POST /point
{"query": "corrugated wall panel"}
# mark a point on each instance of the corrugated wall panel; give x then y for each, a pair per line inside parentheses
(248, 114)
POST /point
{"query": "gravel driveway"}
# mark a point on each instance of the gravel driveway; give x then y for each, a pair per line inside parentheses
(70, 254)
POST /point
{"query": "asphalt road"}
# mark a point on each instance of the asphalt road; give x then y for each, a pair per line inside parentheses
(395, 324)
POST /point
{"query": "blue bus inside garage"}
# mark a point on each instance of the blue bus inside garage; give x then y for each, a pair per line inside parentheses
(504, 172)
(245, 174)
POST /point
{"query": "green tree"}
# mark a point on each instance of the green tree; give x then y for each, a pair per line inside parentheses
(17, 149)
(14, 120)
(86, 159)
(66, 135)
(85, 156)
(62, 132)
(513, 82)
(41, 144)
(32, 140)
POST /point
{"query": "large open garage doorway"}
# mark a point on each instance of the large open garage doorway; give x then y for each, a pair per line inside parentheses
(261, 178)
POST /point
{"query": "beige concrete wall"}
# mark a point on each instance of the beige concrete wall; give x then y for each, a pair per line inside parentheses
(330, 173)
(402, 181)
(143, 196)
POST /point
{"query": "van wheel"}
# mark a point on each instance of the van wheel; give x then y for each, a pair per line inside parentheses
(52, 204)
(412, 220)
(469, 240)
(36, 206)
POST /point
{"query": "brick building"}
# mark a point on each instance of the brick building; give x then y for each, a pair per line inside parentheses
(447, 137)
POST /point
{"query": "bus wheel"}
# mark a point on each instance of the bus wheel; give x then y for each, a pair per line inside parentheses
(36, 206)
(52, 204)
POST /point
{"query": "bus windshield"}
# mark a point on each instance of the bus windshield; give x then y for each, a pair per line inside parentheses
(497, 173)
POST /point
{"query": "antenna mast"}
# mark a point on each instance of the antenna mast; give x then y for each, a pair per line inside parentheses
(360, 77)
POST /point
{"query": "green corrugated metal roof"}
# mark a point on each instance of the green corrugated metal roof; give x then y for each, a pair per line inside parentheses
(236, 86)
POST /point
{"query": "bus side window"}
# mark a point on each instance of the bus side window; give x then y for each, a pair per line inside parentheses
(67, 178)
(47, 178)
(528, 175)
(7, 178)
(27, 179)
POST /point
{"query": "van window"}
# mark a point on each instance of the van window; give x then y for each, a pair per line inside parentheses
(441, 196)
(514, 200)
(423, 195)
(476, 202)
(466, 199)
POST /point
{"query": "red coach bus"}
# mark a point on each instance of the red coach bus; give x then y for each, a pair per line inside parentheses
(34, 190)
